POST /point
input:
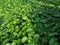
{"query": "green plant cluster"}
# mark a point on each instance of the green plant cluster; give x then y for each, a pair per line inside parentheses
(29, 22)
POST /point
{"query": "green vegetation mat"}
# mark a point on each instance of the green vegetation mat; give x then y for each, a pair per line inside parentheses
(29, 22)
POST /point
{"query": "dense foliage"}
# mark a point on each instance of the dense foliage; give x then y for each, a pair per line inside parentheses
(29, 22)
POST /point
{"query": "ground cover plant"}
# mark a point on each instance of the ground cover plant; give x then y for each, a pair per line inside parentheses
(29, 22)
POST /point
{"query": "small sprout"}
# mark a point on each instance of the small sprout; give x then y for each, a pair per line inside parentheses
(24, 39)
